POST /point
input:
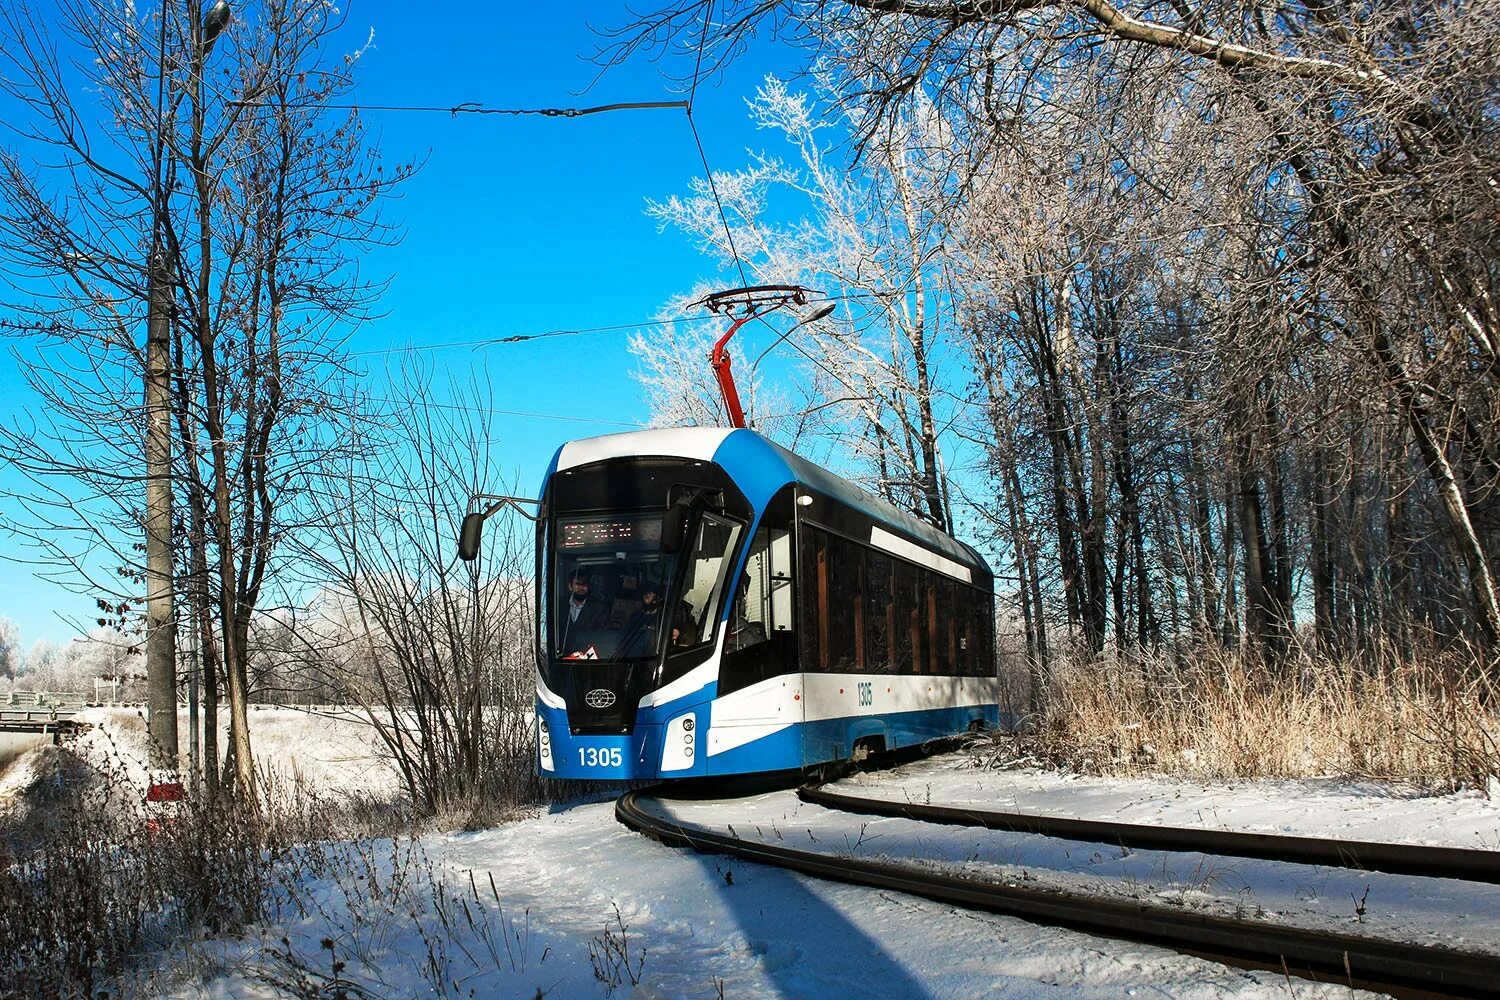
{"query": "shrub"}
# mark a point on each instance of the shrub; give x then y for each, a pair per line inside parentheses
(1431, 718)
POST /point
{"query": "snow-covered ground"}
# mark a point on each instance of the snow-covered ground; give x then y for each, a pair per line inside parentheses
(1443, 912)
(1349, 810)
(542, 907)
(332, 754)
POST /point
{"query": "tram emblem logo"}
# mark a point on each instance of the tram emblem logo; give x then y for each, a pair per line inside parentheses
(599, 698)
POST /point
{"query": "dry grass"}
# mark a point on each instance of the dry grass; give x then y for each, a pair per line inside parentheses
(92, 898)
(1432, 719)
(88, 888)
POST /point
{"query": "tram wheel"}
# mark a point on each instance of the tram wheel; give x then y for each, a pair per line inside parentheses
(865, 746)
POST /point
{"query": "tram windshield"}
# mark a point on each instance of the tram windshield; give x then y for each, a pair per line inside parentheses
(616, 596)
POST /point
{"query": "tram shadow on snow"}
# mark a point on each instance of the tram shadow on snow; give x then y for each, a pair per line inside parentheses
(803, 933)
(801, 939)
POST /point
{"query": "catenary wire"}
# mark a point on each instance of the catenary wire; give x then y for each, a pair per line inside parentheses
(708, 18)
(475, 108)
(713, 186)
(472, 108)
(489, 410)
(519, 338)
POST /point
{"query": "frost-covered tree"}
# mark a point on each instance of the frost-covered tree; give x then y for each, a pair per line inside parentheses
(9, 654)
(1226, 284)
(870, 239)
(104, 654)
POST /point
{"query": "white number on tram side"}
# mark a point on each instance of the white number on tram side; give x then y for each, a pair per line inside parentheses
(599, 757)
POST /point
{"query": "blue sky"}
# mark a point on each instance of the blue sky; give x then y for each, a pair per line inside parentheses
(514, 225)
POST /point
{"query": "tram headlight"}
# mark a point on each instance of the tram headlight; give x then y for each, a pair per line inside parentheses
(543, 743)
(680, 743)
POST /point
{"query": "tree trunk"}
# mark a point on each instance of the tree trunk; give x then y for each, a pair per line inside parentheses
(1322, 570)
(1435, 461)
(161, 627)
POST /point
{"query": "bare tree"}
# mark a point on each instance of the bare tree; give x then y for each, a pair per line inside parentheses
(873, 245)
(437, 653)
(265, 199)
(10, 656)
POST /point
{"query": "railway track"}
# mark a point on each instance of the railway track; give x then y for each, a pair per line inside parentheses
(1402, 969)
(1392, 859)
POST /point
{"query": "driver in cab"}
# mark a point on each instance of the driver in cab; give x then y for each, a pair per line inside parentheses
(581, 616)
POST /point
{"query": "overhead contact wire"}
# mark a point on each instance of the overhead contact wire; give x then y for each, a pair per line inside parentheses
(521, 338)
(713, 186)
(475, 108)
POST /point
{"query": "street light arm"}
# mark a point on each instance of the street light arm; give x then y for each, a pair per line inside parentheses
(822, 312)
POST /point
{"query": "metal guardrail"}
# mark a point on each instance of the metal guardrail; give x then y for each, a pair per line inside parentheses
(73, 700)
(39, 710)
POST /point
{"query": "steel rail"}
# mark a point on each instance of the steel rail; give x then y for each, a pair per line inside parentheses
(1395, 859)
(1402, 969)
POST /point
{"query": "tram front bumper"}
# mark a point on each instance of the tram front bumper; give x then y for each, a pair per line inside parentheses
(623, 757)
(665, 748)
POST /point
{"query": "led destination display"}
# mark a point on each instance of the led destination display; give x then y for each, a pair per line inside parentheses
(635, 533)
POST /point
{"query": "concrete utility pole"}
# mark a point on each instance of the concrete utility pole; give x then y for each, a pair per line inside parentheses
(161, 634)
(161, 626)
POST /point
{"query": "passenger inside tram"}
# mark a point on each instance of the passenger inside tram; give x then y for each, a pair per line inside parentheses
(746, 625)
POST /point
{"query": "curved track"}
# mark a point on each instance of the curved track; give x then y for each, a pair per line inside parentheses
(1393, 859)
(1400, 968)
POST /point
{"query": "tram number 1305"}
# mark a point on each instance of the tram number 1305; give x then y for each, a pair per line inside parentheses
(599, 756)
(866, 695)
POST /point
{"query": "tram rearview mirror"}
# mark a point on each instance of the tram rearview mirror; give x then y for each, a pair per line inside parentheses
(674, 527)
(468, 536)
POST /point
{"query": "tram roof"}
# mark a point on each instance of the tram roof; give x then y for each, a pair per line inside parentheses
(703, 444)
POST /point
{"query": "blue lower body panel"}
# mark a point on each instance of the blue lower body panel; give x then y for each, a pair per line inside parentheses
(647, 753)
(834, 739)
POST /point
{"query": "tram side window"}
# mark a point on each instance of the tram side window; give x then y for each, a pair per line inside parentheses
(974, 631)
(831, 595)
(868, 612)
(879, 612)
(763, 635)
(907, 652)
(704, 580)
(965, 616)
(949, 611)
(814, 590)
(847, 622)
(845, 598)
(763, 598)
(984, 627)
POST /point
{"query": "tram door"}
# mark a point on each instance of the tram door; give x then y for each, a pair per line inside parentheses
(762, 639)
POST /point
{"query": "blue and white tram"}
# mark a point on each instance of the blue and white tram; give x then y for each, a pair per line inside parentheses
(708, 603)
